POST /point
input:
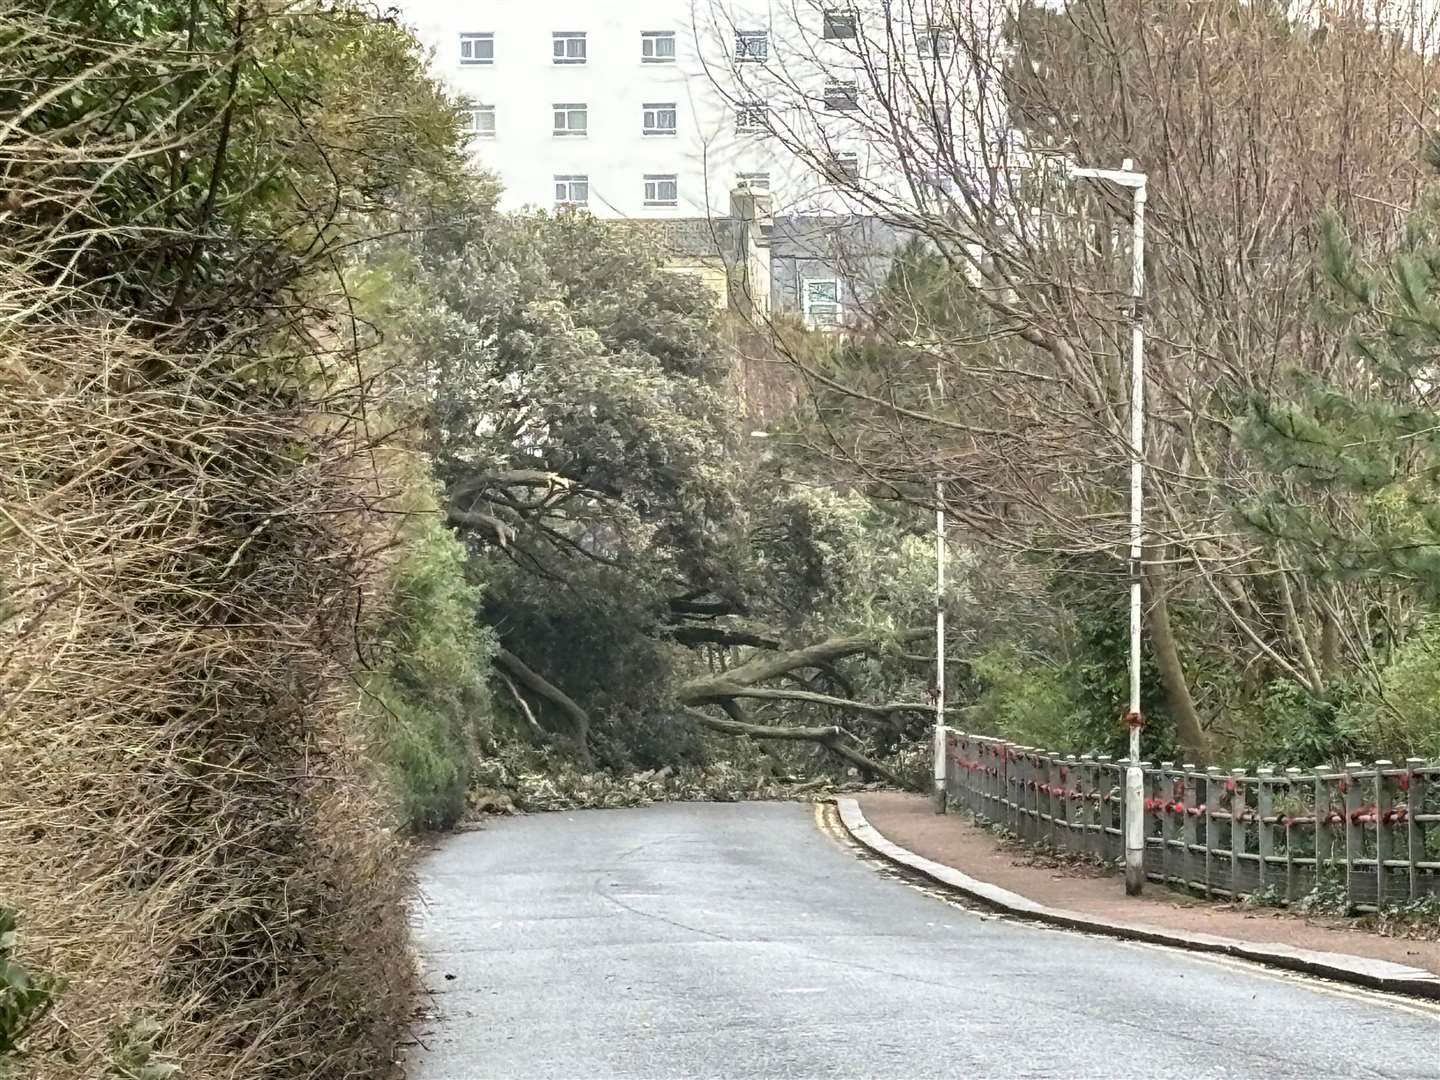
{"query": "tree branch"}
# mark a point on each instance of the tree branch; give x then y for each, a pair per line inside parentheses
(763, 668)
(716, 635)
(721, 693)
(539, 732)
(513, 666)
(836, 740)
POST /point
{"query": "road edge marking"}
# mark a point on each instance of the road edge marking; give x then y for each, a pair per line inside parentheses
(1375, 975)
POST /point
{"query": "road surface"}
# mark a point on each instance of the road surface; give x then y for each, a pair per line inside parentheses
(742, 941)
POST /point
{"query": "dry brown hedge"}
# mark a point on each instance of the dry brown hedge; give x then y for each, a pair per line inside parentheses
(187, 822)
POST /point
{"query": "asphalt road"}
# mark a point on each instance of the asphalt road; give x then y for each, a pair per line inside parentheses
(743, 941)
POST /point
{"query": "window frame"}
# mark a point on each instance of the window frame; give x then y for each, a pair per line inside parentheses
(930, 37)
(834, 20)
(472, 129)
(745, 113)
(843, 168)
(569, 109)
(563, 39)
(470, 38)
(656, 36)
(650, 189)
(745, 54)
(808, 304)
(570, 180)
(841, 95)
(650, 118)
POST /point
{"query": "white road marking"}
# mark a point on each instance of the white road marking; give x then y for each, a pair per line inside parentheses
(828, 822)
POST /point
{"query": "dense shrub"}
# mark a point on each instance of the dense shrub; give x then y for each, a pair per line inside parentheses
(186, 814)
(429, 706)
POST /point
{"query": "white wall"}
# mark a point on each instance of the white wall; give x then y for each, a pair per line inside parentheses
(706, 154)
(523, 84)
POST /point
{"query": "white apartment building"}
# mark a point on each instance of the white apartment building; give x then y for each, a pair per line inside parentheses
(658, 108)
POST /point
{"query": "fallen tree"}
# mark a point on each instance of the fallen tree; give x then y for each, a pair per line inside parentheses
(726, 690)
(835, 739)
(746, 682)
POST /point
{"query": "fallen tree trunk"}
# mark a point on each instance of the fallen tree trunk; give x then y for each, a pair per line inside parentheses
(811, 697)
(516, 668)
(716, 635)
(763, 668)
(835, 739)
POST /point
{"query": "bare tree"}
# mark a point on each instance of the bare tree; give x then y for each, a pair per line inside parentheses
(1252, 121)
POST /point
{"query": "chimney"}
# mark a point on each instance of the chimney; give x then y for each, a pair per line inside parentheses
(750, 274)
(751, 206)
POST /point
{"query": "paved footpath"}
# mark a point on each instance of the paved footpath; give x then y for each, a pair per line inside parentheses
(742, 941)
(909, 820)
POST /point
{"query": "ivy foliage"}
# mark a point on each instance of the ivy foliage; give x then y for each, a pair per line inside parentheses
(25, 997)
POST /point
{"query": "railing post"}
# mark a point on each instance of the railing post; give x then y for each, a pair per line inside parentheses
(1165, 797)
(1149, 796)
(1027, 793)
(1067, 779)
(1292, 786)
(982, 778)
(1012, 788)
(1105, 776)
(1053, 768)
(1265, 822)
(1354, 831)
(1008, 807)
(1189, 825)
(1213, 791)
(967, 775)
(1237, 831)
(1324, 831)
(1383, 835)
(1414, 827)
(952, 782)
(993, 773)
(1086, 786)
(978, 781)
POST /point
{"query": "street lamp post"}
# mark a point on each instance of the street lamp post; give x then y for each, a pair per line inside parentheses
(1126, 176)
(938, 690)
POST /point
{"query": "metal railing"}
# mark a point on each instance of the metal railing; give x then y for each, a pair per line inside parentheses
(1372, 830)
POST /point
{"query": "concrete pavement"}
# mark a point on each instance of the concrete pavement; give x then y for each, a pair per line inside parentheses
(739, 940)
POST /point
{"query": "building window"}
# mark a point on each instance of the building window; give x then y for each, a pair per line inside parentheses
(568, 46)
(572, 119)
(480, 121)
(659, 118)
(661, 190)
(937, 42)
(752, 46)
(822, 302)
(752, 118)
(657, 47)
(839, 23)
(843, 168)
(477, 48)
(757, 180)
(842, 96)
(939, 180)
(572, 190)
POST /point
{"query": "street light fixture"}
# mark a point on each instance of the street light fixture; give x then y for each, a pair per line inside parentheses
(1126, 176)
